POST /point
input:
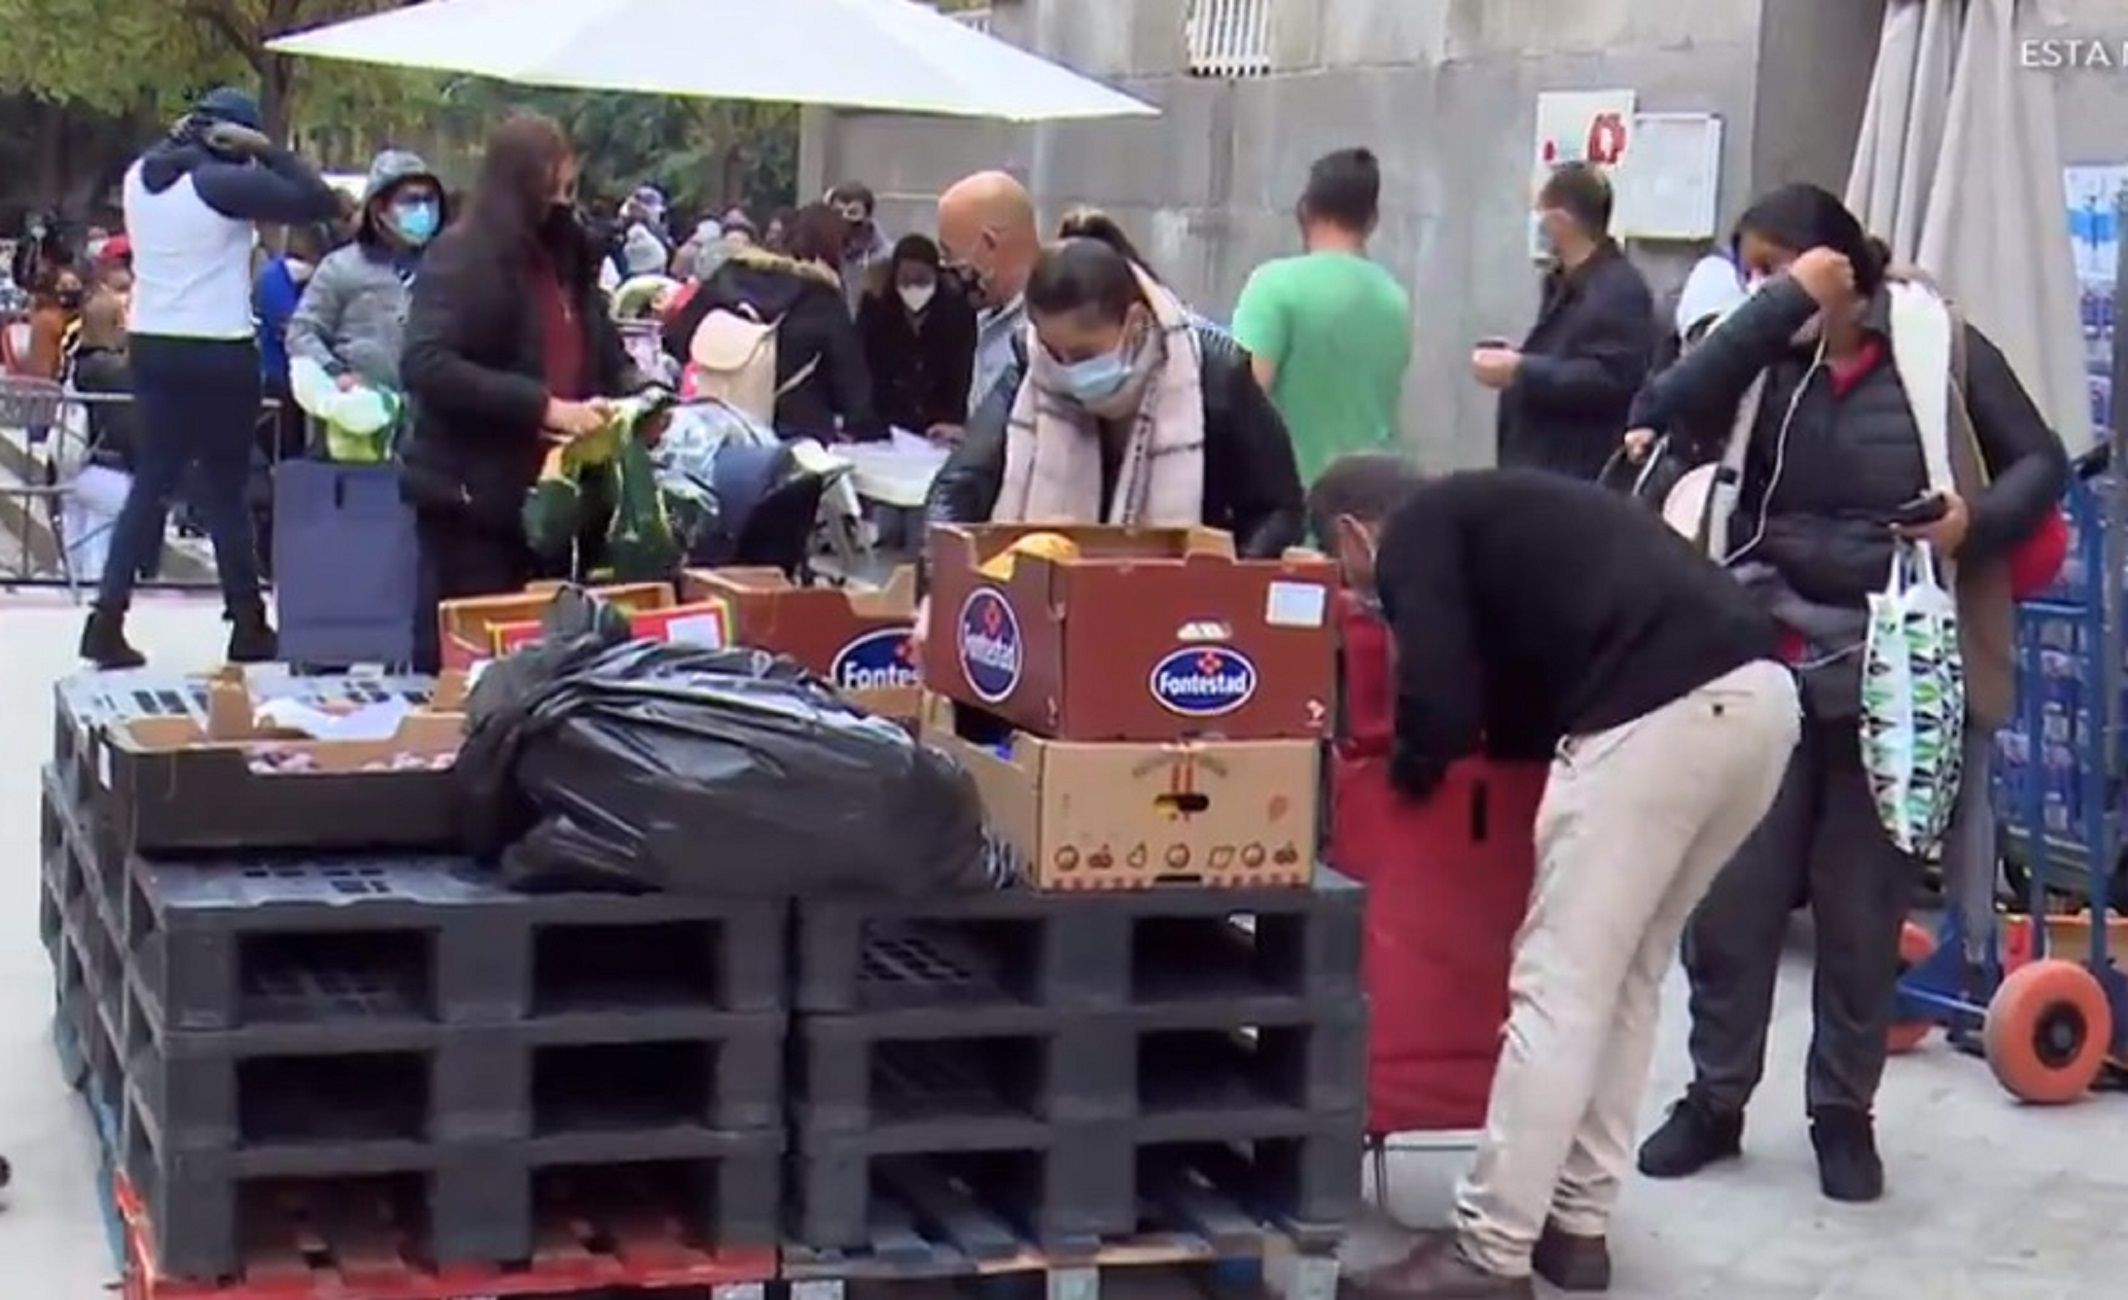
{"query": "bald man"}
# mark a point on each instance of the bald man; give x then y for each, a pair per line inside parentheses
(986, 228)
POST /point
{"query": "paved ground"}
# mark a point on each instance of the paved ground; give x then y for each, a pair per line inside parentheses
(1988, 1199)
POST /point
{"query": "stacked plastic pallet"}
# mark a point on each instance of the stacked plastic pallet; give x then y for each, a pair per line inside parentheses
(1023, 1073)
(359, 1069)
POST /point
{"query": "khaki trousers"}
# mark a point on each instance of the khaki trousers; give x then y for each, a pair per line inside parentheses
(1636, 823)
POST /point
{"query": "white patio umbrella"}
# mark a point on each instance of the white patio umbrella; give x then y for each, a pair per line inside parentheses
(888, 55)
(1959, 169)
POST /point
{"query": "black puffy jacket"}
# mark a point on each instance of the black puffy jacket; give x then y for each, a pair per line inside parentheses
(1251, 480)
(475, 367)
(1847, 462)
(817, 340)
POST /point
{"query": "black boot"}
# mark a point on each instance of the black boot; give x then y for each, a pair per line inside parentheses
(1848, 1166)
(103, 641)
(251, 637)
(1696, 1135)
(1571, 1263)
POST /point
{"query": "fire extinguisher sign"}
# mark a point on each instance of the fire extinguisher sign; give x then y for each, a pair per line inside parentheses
(1591, 126)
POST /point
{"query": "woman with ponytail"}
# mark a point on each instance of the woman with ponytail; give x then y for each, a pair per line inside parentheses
(1818, 376)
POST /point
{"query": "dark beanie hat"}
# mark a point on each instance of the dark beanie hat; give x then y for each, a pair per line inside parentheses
(228, 104)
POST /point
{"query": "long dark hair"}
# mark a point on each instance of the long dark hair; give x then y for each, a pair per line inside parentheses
(1802, 217)
(817, 234)
(509, 206)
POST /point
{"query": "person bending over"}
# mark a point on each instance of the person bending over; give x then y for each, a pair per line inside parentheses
(1532, 610)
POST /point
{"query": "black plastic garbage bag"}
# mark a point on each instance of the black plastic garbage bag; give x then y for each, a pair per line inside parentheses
(596, 763)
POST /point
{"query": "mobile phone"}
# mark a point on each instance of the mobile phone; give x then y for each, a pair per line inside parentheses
(1493, 341)
(1927, 508)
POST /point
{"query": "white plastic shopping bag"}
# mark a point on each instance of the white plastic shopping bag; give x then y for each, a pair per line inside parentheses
(1913, 703)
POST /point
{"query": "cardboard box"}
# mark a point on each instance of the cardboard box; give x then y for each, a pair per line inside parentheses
(1149, 634)
(861, 641)
(165, 783)
(1083, 815)
(487, 627)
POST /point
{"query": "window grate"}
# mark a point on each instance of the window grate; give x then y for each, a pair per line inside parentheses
(1229, 38)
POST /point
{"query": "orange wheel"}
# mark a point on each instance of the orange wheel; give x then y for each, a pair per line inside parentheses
(1916, 945)
(2048, 1032)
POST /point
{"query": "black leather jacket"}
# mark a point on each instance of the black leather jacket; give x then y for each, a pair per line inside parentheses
(1826, 471)
(1252, 485)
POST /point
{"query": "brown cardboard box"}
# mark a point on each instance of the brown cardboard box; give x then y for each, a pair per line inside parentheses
(857, 640)
(1112, 816)
(486, 626)
(1150, 634)
(171, 783)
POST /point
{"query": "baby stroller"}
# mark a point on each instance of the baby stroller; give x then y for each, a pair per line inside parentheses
(770, 494)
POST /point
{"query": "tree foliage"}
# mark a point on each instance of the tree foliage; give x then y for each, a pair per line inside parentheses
(127, 57)
(702, 153)
(120, 56)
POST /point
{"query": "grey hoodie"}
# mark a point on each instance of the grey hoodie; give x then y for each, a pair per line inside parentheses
(352, 318)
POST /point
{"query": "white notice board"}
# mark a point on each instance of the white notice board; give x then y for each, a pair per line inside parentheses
(1669, 185)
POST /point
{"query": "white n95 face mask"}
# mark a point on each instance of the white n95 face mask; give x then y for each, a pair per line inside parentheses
(916, 297)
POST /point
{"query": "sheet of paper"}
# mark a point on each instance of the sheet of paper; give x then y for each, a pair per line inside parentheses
(1669, 187)
(373, 722)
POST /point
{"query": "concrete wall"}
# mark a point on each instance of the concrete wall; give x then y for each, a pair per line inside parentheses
(1812, 81)
(1444, 90)
(2091, 103)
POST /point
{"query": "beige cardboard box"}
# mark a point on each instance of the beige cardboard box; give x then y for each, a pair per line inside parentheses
(171, 783)
(1087, 815)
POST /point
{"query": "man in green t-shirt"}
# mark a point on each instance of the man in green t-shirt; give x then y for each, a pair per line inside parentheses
(1331, 331)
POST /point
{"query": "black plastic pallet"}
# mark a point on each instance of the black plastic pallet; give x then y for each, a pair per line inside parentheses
(1079, 952)
(89, 1011)
(1066, 1188)
(1062, 1186)
(466, 1204)
(954, 1229)
(672, 1072)
(1299, 1169)
(922, 1073)
(232, 943)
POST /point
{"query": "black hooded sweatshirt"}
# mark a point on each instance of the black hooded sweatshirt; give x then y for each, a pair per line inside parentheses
(275, 186)
(1529, 607)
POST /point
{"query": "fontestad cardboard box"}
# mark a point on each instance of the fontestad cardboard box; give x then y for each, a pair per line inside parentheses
(1125, 634)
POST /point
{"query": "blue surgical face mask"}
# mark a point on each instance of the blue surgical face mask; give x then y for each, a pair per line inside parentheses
(1097, 378)
(416, 222)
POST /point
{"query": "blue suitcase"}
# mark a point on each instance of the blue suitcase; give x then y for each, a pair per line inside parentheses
(345, 564)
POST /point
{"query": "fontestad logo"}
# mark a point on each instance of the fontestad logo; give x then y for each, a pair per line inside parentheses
(990, 645)
(884, 660)
(1204, 681)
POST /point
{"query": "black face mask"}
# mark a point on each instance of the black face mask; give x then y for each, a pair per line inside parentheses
(560, 223)
(70, 300)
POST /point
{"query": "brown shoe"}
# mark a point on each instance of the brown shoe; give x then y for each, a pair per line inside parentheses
(1434, 1270)
(1572, 1263)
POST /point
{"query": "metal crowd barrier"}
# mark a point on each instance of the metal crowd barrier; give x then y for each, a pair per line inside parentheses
(57, 506)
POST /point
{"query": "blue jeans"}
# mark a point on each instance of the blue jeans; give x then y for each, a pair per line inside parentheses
(198, 404)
